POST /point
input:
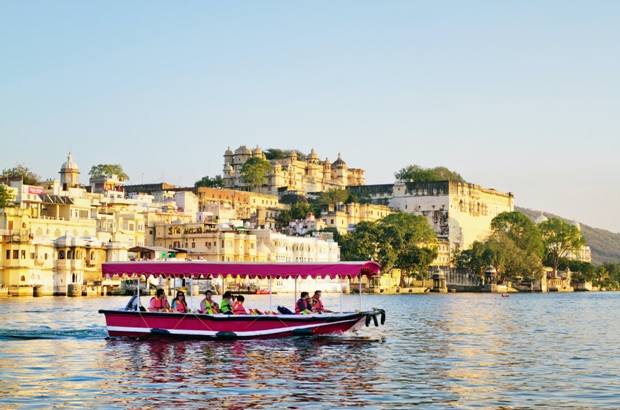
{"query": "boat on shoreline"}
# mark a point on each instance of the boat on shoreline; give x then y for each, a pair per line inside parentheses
(134, 323)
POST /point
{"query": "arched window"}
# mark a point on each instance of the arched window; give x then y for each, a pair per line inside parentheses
(61, 254)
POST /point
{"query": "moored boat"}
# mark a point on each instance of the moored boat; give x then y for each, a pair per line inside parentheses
(132, 322)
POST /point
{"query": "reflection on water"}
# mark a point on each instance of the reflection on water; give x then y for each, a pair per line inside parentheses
(456, 350)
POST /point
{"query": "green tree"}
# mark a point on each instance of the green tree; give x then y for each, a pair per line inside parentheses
(6, 197)
(418, 173)
(561, 239)
(512, 261)
(333, 196)
(274, 153)
(300, 210)
(254, 171)
(208, 182)
(581, 271)
(412, 241)
(108, 169)
(359, 197)
(472, 259)
(364, 243)
(292, 198)
(20, 170)
(521, 230)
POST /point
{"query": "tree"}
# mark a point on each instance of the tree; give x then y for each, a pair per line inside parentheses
(411, 239)
(510, 260)
(108, 169)
(561, 239)
(521, 230)
(274, 153)
(417, 173)
(6, 197)
(359, 197)
(472, 259)
(363, 244)
(20, 170)
(581, 271)
(208, 182)
(292, 198)
(254, 171)
(333, 196)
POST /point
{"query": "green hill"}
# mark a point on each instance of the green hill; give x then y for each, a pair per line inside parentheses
(605, 245)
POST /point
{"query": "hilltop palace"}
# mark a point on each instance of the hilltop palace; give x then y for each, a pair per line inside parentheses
(58, 233)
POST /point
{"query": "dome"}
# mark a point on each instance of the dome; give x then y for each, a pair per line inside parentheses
(243, 150)
(576, 224)
(228, 152)
(258, 152)
(263, 249)
(313, 155)
(339, 162)
(69, 164)
(540, 218)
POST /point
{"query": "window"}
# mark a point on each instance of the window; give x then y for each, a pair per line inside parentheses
(61, 254)
(15, 254)
(8, 254)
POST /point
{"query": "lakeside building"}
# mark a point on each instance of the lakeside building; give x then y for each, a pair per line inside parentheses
(292, 173)
(459, 213)
(345, 217)
(57, 235)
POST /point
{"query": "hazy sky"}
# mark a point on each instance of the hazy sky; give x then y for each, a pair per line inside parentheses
(520, 96)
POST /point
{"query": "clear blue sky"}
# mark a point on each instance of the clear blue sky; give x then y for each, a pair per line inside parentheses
(520, 96)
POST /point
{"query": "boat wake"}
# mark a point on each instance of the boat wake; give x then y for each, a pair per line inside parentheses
(49, 333)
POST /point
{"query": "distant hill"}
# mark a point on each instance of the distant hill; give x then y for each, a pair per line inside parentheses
(605, 245)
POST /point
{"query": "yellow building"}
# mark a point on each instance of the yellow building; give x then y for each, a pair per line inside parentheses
(292, 173)
(458, 212)
(344, 217)
(205, 241)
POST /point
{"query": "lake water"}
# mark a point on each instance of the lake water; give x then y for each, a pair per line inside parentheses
(435, 351)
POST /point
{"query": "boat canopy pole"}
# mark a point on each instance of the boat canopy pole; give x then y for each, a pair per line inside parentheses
(191, 291)
(138, 293)
(341, 298)
(295, 294)
(270, 280)
(360, 293)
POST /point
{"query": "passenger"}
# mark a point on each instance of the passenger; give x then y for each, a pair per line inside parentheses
(317, 305)
(178, 303)
(159, 303)
(303, 307)
(238, 308)
(208, 305)
(227, 303)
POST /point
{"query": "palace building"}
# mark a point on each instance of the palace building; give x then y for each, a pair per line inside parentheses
(459, 213)
(292, 173)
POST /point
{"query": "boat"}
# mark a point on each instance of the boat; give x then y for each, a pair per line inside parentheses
(132, 322)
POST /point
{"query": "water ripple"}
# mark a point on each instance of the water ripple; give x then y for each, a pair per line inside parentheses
(435, 351)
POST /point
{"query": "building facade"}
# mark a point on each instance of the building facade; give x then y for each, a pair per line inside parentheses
(292, 174)
(461, 213)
